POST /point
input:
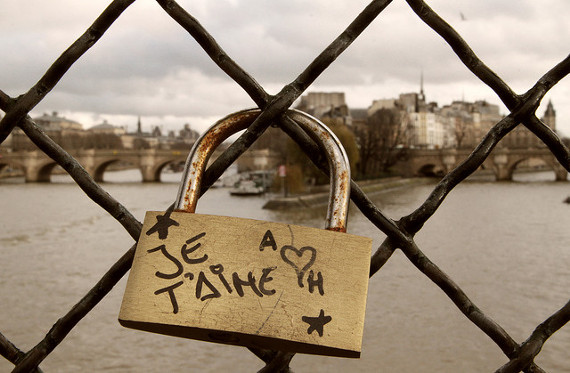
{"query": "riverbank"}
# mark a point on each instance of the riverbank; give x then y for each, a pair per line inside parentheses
(320, 196)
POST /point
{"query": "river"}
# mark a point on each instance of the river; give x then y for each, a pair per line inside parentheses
(506, 244)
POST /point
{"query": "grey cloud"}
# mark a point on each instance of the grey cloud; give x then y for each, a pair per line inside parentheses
(146, 63)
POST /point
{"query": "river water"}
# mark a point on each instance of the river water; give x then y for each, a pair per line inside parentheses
(506, 244)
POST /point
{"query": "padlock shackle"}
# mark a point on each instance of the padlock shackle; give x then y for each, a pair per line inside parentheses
(339, 193)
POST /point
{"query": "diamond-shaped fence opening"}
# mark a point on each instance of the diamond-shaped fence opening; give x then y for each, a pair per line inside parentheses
(400, 233)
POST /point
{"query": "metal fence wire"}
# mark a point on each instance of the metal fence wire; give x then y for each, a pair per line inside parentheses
(400, 233)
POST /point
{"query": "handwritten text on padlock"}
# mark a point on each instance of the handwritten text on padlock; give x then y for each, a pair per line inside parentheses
(216, 281)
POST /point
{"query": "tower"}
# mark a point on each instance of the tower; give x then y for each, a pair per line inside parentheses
(549, 117)
(139, 127)
(422, 97)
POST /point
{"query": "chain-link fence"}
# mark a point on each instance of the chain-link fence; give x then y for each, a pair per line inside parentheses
(400, 233)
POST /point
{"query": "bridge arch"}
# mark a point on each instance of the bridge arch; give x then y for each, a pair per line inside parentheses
(560, 174)
(152, 174)
(430, 170)
(41, 173)
(98, 162)
(99, 169)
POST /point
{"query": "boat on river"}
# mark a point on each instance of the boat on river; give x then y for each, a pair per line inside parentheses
(247, 188)
(251, 184)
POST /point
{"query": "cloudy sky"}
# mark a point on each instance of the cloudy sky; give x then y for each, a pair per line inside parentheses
(146, 65)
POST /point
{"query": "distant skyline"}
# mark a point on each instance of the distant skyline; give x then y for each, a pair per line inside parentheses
(147, 65)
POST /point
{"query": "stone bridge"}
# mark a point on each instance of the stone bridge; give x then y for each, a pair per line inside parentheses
(37, 167)
(502, 161)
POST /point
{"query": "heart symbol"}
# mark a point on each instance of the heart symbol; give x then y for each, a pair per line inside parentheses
(298, 260)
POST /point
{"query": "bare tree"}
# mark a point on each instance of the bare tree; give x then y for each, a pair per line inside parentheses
(383, 140)
(462, 131)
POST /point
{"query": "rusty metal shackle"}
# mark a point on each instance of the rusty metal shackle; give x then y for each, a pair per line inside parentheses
(339, 192)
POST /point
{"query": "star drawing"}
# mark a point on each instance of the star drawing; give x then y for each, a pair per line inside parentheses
(317, 323)
(163, 222)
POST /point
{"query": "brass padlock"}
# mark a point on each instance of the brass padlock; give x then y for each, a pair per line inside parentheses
(250, 282)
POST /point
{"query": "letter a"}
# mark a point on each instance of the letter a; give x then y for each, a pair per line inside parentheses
(268, 240)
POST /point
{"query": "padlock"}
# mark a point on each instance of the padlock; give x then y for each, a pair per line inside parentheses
(249, 282)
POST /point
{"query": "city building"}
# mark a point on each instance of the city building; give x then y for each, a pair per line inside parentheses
(106, 128)
(188, 135)
(329, 106)
(54, 122)
(468, 122)
(6, 145)
(521, 137)
(322, 100)
(67, 133)
(423, 125)
(258, 159)
(428, 130)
